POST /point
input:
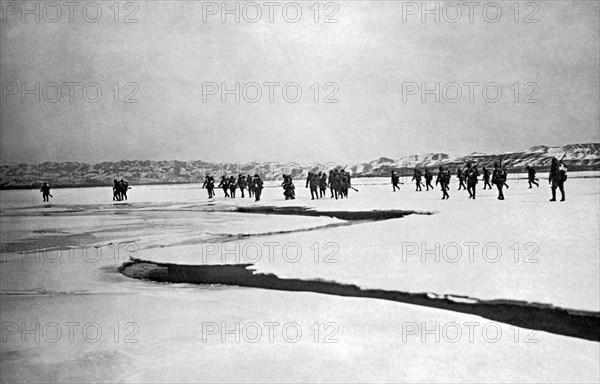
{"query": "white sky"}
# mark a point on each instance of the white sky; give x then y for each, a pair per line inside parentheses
(369, 53)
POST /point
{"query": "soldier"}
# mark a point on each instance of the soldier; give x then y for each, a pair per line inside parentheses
(224, 184)
(288, 187)
(331, 185)
(442, 180)
(344, 183)
(46, 192)
(557, 178)
(531, 177)
(499, 178)
(249, 185)
(417, 178)
(395, 181)
(471, 175)
(322, 184)
(334, 183)
(428, 178)
(313, 181)
(241, 182)
(258, 186)
(209, 184)
(461, 179)
(124, 188)
(232, 186)
(486, 178)
(116, 190)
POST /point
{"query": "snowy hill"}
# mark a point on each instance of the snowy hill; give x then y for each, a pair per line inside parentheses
(577, 157)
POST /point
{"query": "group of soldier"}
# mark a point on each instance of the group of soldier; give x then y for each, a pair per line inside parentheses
(120, 189)
(468, 179)
(254, 185)
(339, 182)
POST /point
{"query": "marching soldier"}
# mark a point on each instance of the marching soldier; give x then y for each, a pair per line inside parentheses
(322, 184)
(442, 179)
(224, 184)
(499, 178)
(116, 190)
(428, 178)
(209, 184)
(46, 192)
(461, 179)
(241, 182)
(557, 178)
(258, 186)
(232, 186)
(471, 175)
(486, 178)
(334, 183)
(289, 191)
(395, 181)
(249, 185)
(344, 183)
(313, 181)
(124, 187)
(417, 178)
(531, 177)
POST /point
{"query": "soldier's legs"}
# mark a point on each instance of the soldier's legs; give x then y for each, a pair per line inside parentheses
(561, 186)
(242, 191)
(553, 188)
(257, 194)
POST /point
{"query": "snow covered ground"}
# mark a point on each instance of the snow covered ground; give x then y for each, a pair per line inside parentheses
(524, 248)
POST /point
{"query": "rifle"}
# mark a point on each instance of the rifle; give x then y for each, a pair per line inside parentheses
(562, 158)
(353, 188)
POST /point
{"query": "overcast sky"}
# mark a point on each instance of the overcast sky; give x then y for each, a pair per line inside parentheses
(369, 56)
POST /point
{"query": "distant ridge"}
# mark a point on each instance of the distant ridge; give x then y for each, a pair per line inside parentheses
(577, 157)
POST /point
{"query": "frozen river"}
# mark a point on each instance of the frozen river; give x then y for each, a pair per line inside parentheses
(69, 315)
